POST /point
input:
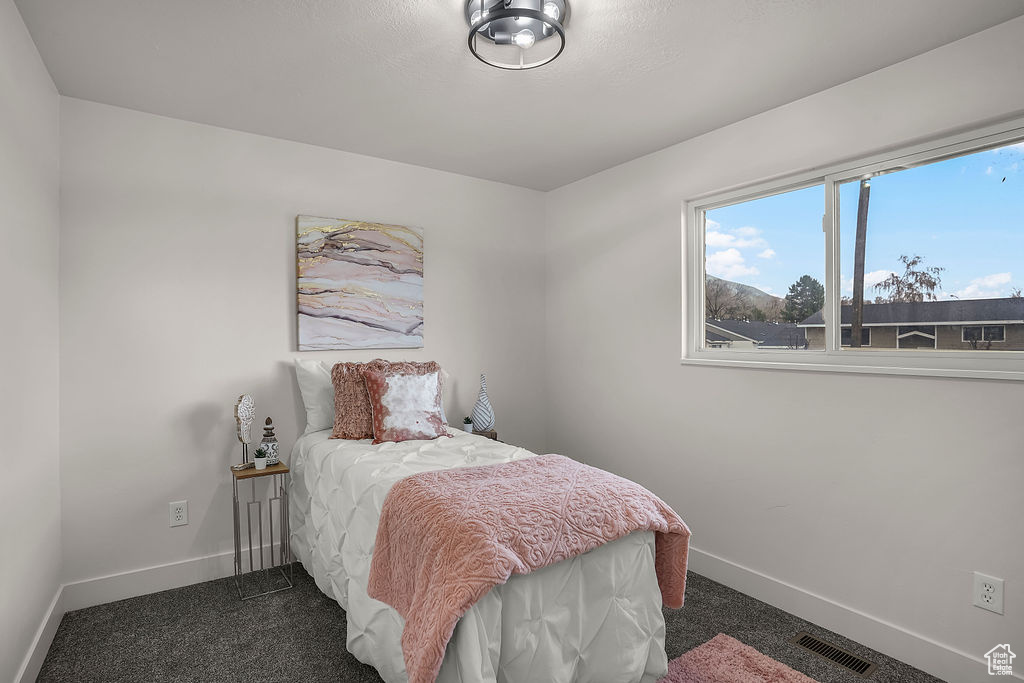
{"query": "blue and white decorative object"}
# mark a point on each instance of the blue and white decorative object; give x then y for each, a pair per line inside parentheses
(483, 414)
(269, 443)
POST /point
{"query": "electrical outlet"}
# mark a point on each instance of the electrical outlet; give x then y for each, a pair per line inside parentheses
(179, 513)
(988, 593)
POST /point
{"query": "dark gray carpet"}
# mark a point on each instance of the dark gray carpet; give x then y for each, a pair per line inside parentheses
(204, 633)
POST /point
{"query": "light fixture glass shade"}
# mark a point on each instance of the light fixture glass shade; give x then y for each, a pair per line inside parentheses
(516, 34)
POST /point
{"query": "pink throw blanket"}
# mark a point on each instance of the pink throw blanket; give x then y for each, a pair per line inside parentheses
(447, 537)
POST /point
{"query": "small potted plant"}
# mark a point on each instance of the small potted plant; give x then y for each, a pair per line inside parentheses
(260, 458)
(467, 424)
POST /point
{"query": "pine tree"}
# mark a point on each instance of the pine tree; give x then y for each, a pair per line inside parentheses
(805, 298)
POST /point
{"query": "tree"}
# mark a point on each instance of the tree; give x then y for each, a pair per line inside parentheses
(717, 298)
(918, 282)
(805, 298)
(858, 263)
(722, 300)
(771, 313)
(773, 310)
(1015, 293)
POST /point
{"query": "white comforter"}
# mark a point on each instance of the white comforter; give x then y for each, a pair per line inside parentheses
(596, 617)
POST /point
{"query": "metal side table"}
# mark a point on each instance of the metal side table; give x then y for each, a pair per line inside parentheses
(278, 573)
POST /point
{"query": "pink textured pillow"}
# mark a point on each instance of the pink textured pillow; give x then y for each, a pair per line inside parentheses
(353, 417)
(406, 401)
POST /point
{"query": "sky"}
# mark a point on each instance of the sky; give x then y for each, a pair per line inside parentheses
(965, 215)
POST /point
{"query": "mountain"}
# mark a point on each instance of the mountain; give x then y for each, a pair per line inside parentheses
(728, 299)
(753, 295)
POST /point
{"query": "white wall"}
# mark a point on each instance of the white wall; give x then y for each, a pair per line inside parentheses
(178, 294)
(29, 228)
(879, 493)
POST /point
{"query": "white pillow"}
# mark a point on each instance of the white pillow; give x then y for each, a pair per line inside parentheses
(317, 391)
(314, 377)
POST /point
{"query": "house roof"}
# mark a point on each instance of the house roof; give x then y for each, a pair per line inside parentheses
(786, 335)
(765, 334)
(953, 312)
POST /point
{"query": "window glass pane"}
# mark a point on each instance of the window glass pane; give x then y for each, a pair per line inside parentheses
(972, 333)
(764, 272)
(994, 333)
(847, 335)
(942, 245)
(915, 336)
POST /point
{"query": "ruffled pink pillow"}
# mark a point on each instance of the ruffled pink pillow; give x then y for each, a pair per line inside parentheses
(353, 417)
(406, 401)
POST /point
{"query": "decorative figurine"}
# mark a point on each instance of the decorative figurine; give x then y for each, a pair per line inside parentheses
(483, 414)
(245, 412)
(269, 443)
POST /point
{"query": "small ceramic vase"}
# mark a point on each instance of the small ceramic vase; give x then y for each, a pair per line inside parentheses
(483, 414)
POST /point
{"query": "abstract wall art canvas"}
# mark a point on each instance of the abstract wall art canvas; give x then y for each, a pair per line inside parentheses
(360, 285)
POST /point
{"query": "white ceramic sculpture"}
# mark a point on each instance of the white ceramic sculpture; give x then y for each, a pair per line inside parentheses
(483, 414)
(245, 413)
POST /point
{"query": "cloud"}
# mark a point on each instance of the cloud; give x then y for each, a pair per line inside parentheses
(987, 287)
(719, 239)
(729, 264)
(746, 237)
(870, 280)
(767, 253)
(988, 171)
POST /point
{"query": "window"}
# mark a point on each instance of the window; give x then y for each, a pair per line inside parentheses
(915, 337)
(911, 262)
(865, 336)
(752, 298)
(983, 333)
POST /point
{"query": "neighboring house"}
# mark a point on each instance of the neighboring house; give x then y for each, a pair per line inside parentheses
(750, 334)
(959, 324)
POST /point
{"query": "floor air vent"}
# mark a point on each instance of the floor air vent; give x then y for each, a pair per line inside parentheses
(826, 650)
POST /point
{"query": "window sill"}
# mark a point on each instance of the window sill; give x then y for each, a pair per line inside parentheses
(846, 362)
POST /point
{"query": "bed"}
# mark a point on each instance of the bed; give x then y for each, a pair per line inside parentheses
(592, 618)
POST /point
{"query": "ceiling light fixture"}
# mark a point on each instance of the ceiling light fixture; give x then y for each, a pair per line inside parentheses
(516, 34)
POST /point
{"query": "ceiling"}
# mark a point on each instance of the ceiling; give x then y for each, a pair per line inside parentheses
(395, 79)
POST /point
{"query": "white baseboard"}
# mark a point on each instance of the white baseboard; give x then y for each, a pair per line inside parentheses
(130, 584)
(33, 661)
(936, 658)
(103, 589)
(930, 656)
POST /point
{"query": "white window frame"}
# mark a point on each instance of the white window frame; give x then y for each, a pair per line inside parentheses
(963, 332)
(1002, 365)
(865, 328)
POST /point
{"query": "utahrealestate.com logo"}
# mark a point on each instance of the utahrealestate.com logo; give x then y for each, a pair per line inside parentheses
(1000, 660)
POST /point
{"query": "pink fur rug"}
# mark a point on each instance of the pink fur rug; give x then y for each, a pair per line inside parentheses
(726, 660)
